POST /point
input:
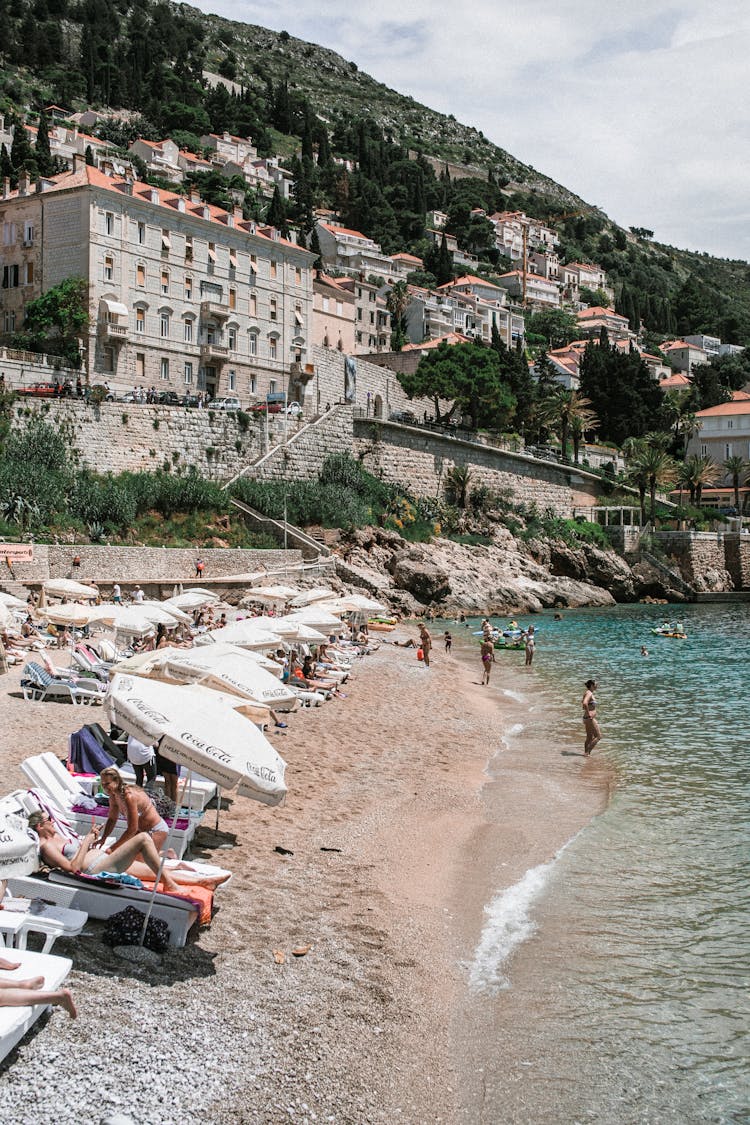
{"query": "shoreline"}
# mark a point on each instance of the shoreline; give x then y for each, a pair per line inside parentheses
(376, 1020)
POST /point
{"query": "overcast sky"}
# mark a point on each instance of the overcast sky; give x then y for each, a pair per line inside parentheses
(639, 106)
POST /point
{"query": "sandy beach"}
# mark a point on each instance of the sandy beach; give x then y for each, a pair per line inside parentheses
(400, 833)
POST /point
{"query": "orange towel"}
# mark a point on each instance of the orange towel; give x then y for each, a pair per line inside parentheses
(204, 896)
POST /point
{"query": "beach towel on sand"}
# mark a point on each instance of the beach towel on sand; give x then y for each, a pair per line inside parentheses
(203, 897)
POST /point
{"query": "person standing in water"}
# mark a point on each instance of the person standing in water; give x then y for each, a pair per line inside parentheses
(425, 641)
(530, 644)
(487, 652)
(590, 723)
(448, 641)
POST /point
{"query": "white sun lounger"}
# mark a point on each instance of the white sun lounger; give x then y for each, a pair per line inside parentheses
(46, 772)
(15, 1022)
(18, 919)
(101, 901)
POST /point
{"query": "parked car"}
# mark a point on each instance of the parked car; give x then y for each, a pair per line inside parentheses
(40, 390)
(263, 407)
(294, 410)
(227, 403)
(191, 400)
(404, 416)
(168, 398)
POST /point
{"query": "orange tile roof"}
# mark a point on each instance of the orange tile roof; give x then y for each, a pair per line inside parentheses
(596, 311)
(449, 338)
(739, 404)
(406, 258)
(345, 230)
(469, 279)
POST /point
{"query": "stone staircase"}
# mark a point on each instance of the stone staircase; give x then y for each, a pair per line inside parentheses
(672, 576)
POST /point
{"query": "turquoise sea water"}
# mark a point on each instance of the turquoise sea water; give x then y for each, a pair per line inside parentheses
(646, 1016)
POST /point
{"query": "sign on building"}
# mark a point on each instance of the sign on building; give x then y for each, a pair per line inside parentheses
(17, 552)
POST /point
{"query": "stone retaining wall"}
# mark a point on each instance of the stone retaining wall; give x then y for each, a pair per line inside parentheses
(698, 552)
(305, 452)
(422, 460)
(118, 437)
(128, 565)
(377, 387)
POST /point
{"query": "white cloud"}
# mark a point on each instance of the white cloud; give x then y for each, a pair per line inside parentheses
(637, 107)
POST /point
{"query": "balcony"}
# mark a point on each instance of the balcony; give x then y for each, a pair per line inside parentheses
(114, 333)
(214, 352)
(214, 310)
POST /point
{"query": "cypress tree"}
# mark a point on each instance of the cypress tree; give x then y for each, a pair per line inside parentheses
(6, 167)
(314, 247)
(90, 156)
(444, 272)
(276, 214)
(21, 153)
(42, 151)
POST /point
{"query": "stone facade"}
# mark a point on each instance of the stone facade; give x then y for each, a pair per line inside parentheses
(119, 437)
(144, 565)
(703, 555)
(304, 453)
(422, 460)
(378, 391)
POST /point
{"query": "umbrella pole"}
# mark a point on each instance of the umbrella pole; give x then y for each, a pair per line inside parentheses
(218, 807)
(172, 827)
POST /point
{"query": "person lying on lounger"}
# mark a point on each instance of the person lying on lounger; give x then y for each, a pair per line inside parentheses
(86, 854)
(20, 993)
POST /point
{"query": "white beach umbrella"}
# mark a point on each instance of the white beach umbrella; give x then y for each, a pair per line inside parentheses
(257, 713)
(232, 672)
(68, 613)
(7, 620)
(314, 619)
(191, 599)
(128, 619)
(354, 603)
(278, 625)
(242, 633)
(165, 611)
(67, 588)
(222, 647)
(274, 594)
(307, 597)
(18, 849)
(210, 738)
(11, 601)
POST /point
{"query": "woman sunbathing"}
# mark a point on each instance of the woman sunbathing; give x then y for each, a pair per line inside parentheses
(23, 993)
(136, 806)
(86, 855)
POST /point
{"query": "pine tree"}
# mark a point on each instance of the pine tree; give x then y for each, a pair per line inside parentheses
(276, 214)
(43, 152)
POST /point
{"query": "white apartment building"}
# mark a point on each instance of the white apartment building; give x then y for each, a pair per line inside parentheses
(352, 252)
(462, 309)
(539, 292)
(724, 430)
(182, 296)
(160, 157)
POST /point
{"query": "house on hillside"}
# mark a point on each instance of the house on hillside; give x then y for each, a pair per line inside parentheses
(538, 292)
(684, 356)
(583, 275)
(592, 320)
(352, 252)
(160, 157)
(724, 430)
(183, 296)
(227, 147)
(334, 314)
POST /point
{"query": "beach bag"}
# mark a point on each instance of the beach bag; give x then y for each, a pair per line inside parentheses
(124, 928)
(420, 654)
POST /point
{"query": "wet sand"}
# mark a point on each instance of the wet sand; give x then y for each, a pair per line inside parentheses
(375, 1022)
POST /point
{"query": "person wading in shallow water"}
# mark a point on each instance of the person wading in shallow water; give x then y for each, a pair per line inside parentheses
(590, 723)
(487, 653)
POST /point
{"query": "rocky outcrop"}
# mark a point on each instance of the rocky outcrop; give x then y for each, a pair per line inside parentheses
(415, 570)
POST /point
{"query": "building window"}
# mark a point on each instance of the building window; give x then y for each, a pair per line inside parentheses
(140, 275)
(232, 339)
(188, 288)
(272, 387)
(728, 450)
(188, 334)
(109, 360)
(29, 273)
(231, 380)
(164, 368)
(9, 321)
(109, 223)
(9, 234)
(233, 298)
(298, 274)
(359, 314)
(253, 305)
(109, 268)
(188, 247)
(325, 303)
(274, 268)
(140, 320)
(188, 373)
(10, 277)
(273, 309)
(252, 342)
(140, 365)
(253, 384)
(166, 242)
(28, 234)
(165, 282)
(339, 308)
(211, 257)
(273, 347)
(141, 234)
(253, 263)
(233, 259)
(164, 325)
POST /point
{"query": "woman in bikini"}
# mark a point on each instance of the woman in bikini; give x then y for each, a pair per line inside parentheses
(591, 726)
(136, 806)
(137, 857)
(488, 658)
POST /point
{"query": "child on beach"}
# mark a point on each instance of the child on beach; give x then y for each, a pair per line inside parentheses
(448, 641)
(591, 726)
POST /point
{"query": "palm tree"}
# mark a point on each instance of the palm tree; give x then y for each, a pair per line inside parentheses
(658, 468)
(564, 410)
(633, 450)
(737, 466)
(700, 471)
(397, 302)
(457, 484)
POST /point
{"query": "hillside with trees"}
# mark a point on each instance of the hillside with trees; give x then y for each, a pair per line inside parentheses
(376, 157)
